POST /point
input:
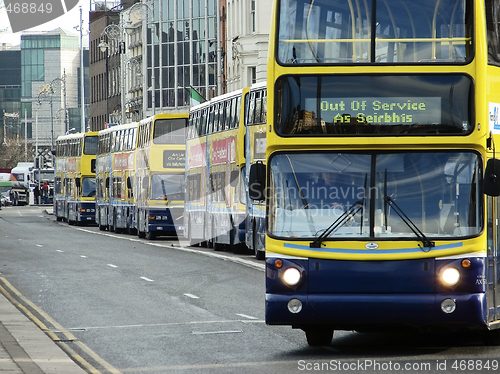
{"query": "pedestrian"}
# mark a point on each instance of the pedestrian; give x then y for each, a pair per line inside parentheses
(37, 193)
(45, 192)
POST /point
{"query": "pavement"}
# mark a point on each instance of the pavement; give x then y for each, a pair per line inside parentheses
(26, 349)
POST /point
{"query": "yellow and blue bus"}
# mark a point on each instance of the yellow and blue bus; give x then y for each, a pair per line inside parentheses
(104, 177)
(216, 206)
(382, 119)
(196, 169)
(160, 175)
(255, 151)
(122, 202)
(75, 178)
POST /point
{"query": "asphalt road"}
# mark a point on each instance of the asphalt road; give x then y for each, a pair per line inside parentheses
(127, 305)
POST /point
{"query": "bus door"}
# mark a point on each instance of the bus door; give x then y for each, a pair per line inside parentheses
(493, 273)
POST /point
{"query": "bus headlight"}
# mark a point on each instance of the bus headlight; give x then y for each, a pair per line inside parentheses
(291, 276)
(450, 276)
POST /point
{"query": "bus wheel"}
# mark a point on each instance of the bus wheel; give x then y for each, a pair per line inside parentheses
(259, 255)
(140, 234)
(492, 337)
(192, 242)
(318, 336)
(150, 235)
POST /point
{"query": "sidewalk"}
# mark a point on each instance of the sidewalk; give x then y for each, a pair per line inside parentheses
(25, 349)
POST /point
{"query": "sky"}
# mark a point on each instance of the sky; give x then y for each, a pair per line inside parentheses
(66, 22)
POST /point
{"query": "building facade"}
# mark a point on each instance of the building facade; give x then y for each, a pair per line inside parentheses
(160, 49)
(40, 82)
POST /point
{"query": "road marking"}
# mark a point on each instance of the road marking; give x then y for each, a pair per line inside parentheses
(88, 328)
(39, 245)
(246, 316)
(216, 332)
(147, 279)
(58, 250)
(191, 296)
(238, 260)
(83, 256)
(113, 266)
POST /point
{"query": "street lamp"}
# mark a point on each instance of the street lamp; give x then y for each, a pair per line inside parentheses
(130, 28)
(115, 32)
(45, 91)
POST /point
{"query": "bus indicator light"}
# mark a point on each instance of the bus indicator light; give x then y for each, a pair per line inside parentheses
(466, 263)
(278, 263)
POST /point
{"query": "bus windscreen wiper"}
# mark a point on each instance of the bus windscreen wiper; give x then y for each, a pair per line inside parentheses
(341, 220)
(420, 235)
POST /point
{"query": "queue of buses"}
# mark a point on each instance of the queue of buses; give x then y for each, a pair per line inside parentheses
(170, 174)
(367, 165)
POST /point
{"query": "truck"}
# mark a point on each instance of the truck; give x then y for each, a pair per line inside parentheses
(39, 177)
(20, 178)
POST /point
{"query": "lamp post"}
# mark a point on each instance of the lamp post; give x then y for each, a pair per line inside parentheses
(130, 28)
(82, 75)
(62, 80)
(115, 32)
(45, 91)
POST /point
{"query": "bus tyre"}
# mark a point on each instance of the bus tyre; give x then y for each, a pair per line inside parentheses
(150, 235)
(259, 255)
(318, 336)
(492, 337)
(140, 234)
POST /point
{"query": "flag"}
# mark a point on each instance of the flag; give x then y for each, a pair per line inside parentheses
(195, 97)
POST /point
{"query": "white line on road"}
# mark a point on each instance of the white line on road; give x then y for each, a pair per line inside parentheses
(191, 296)
(113, 266)
(238, 260)
(58, 250)
(216, 332)
(147, 279)
(39, 245)
(83, 256)
(245, 316)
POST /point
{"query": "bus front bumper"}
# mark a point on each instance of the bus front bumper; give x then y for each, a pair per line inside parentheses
(167, 222)
(362, 311)
(86, 212)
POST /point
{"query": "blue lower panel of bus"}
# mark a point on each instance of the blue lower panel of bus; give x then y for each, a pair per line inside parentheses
(363, 294)
(359, 311)
(86, 212)
(167, 221)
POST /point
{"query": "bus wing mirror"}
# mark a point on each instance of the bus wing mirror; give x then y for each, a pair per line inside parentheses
(129, 183)
(257, 181)
(491, 185)
(234, 178)
(77, 182)
(107, 182)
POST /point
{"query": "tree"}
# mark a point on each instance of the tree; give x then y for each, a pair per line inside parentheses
(12, 152)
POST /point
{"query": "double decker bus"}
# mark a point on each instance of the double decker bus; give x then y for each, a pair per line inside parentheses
(75, 186)
(160, 174)
(195, 211)
(216, 208)
(255, 151)
(380, 175)
(104, 177)
(121, 214)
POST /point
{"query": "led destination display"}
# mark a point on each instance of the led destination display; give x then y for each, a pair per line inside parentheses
(385, 111)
